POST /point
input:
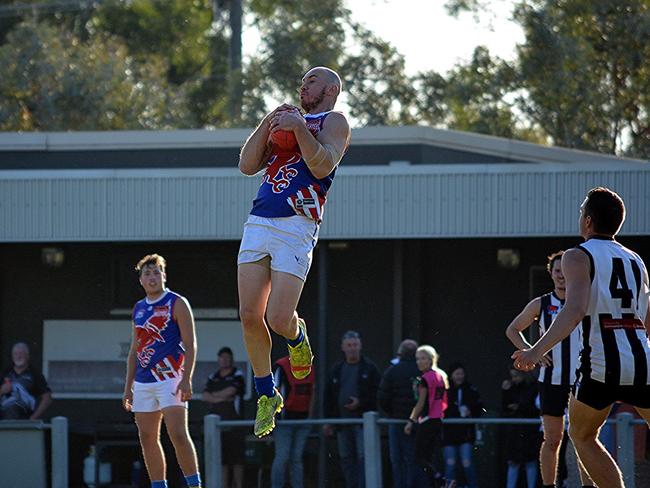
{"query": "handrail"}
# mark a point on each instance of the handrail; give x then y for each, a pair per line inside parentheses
(372, 440)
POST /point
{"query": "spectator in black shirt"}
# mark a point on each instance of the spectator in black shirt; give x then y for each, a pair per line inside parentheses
(458, 440)
(351, 391)
(224, 391)
(24, 393)
(397, 398)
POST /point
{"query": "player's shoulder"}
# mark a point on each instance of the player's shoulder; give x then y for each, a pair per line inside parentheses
(174, 294)
(336, 118)
(634, 254)
(577, 255)
(536, 302)
(178, 298)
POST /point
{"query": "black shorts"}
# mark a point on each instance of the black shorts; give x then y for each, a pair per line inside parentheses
(554, 399)
(599, 395)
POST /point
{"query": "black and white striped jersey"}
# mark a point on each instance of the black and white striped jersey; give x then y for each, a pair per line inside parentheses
(564, 354)
(615, 349)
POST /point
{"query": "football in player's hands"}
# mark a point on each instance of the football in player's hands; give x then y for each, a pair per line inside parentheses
(284, 139)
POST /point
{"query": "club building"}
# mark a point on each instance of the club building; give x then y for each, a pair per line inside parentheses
(436, 235)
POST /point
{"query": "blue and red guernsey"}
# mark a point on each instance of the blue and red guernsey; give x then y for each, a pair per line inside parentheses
(288, 187)
(160, 352)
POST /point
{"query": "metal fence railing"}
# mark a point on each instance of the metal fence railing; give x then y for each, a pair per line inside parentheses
(372, 422)
(59, 444)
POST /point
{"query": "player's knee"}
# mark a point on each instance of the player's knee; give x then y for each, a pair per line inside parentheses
(148, 437)
(249, 316)
(580, 435)
(552, 441)
(450, 461)
(466, 463)
(279, 321)
(177, 435)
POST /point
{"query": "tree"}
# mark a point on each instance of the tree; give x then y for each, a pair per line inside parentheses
(54, 81)
(582, 73)
(378, 90)
(294, 37)
(584, 66)
(298, 35)
(472, 97)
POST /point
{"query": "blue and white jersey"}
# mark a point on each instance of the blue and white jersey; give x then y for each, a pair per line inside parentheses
(288, 187)
(160, 352)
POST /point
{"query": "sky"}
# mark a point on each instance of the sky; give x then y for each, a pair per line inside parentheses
(425, 34)
(430, 39)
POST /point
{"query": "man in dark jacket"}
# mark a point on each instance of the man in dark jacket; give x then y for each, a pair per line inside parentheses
(351, 391)
(397, 399)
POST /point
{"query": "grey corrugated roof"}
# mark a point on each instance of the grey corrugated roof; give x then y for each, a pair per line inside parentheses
(463, 143)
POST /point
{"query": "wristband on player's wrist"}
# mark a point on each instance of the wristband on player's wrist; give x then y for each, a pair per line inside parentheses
(411, 421)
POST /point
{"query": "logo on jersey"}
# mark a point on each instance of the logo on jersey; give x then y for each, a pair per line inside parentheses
(150, 333)
(308, 202)
(279, 173)
(552, 309)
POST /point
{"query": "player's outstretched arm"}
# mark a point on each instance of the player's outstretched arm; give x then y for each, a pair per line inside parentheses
(185, 320)
(577, 273)
(521, 322)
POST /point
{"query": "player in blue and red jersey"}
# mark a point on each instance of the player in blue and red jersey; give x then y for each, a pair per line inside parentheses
(281, 231)
(159, 372)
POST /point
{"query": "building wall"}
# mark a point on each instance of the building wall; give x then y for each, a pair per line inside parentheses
(373, 202)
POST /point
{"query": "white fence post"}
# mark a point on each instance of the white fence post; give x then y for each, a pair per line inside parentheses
(372, 449)
(212, 450)
(59, 452)
(625, 447)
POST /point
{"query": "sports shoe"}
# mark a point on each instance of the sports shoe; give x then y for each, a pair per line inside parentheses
(266, 410)
(300, 356)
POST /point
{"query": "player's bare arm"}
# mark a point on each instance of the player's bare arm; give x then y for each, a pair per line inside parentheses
(576, 269)
(127, 398)
(184, 318)
(257, 148)
(324, 152)
(521, 322)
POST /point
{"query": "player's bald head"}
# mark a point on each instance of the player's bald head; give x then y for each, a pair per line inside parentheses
(328, 75)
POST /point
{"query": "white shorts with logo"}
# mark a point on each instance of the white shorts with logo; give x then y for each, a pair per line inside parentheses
(289, 241)
(152, 397)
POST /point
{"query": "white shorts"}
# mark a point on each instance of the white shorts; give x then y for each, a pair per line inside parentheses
(289, 241)
(152, 397)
